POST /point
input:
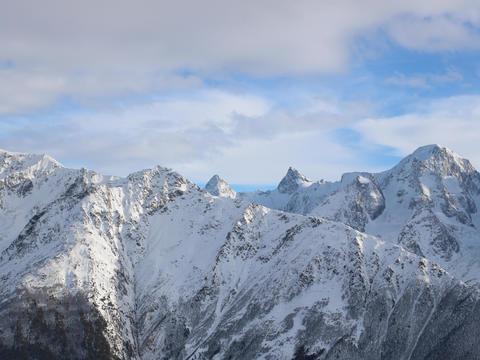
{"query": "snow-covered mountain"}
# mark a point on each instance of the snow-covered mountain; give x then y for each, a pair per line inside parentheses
(219, 187)
(428, 203)
(152, 267)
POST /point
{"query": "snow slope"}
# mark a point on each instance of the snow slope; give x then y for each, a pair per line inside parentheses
(428, 203)
(152, 267)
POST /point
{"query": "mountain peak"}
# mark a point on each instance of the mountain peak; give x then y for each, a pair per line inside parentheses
(292, 180)
(440, 158)
(433, 159)
(425, 152)
(219, 187)
(15, 162)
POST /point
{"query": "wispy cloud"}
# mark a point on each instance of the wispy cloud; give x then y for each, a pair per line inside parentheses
(425, 81)
(200, 86)
(418, 81)
(186, 133)
(436, 31)
(453, 122)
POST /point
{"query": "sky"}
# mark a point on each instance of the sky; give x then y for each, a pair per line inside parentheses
(243, 89)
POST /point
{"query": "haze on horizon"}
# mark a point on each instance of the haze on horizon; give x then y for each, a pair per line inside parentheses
(242, 89)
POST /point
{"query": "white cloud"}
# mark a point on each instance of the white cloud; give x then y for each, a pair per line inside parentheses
(453, 122)
(265, 161)
(199, 134)
(425, 81)
(24, 91)
(418, 81)
(433, 33)
(90, 49)
(243, 137)
(95, 51)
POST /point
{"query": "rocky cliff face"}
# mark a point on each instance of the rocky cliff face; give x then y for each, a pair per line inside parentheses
(152, 267)
(428, 203)
(219, 187)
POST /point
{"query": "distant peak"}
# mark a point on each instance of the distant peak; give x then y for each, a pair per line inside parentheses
(16, 161)
(219, 187)
(45, 158)
(436, 152)
(213, 182)
(24, 155)
(215, 179)
(292, 181)
(436, 158)
(427, 151)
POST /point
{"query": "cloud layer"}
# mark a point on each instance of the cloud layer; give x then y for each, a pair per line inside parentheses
(121, 85)
(453, 122)
(199, 133)
(93, 48)
(243, 136)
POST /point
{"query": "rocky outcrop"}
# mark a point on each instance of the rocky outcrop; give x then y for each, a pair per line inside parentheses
(219, 187)
(292, 181)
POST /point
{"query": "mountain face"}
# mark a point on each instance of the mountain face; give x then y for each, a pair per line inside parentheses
(292, 182)
(429, 204)
(219, 187)
(152, 267)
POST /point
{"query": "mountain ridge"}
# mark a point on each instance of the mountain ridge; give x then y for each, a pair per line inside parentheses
(433, 188)
(150, 266)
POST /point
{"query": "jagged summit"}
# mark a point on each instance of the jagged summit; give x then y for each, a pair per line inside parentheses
(292, 181)
(148, 266)
(27, 157)
(435, 159)
(428, 203)
(219, 187)
(11, 162)
(433, 151)
(436, 152)
(427, 151)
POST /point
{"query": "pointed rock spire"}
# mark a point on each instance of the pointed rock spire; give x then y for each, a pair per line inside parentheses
(292, 181)
(219, 187)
